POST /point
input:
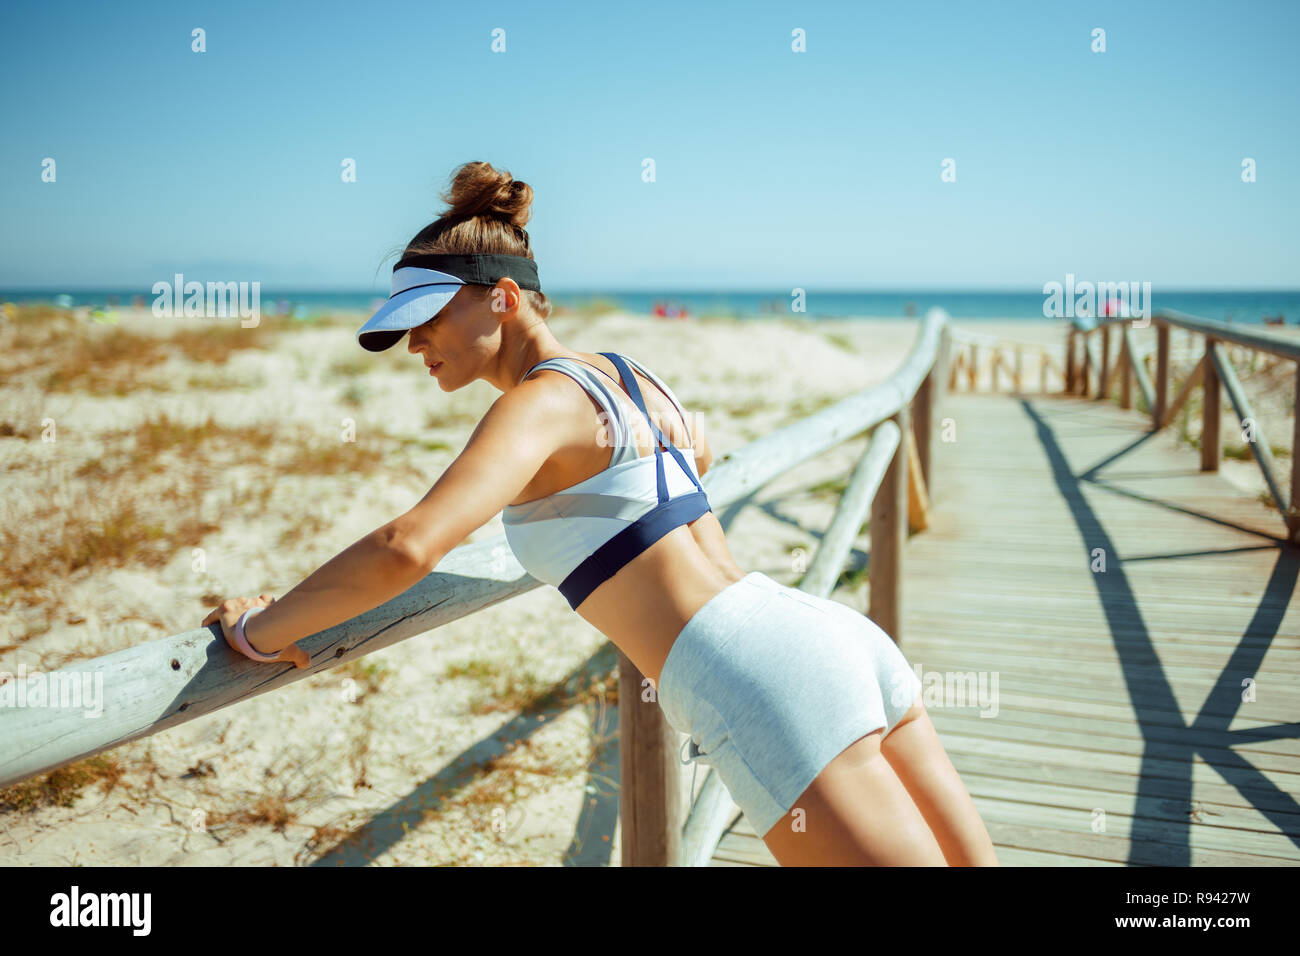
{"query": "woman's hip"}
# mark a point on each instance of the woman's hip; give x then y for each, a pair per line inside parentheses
(771, 661)
(772, 683)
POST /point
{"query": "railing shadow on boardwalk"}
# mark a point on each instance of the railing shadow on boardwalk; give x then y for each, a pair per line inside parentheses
(1207, 736)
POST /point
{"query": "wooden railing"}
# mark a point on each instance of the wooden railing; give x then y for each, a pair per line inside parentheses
(1090, 372)
(891, 480)
(160, 684)
(1005, 356)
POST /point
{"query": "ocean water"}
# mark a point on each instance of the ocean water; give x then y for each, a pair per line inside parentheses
(1249, 307)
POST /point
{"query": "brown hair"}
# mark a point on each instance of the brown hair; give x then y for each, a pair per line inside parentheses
(487, 211)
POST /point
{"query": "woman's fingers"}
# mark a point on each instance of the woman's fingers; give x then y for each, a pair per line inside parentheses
(229, 610)
(228, 613)
(296, 656)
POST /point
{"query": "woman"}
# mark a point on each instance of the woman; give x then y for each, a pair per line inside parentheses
(807, 709)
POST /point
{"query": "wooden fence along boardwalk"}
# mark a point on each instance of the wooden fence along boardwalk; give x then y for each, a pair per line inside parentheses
(1105, 628)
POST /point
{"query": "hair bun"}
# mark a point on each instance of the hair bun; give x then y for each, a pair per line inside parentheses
(479, 189)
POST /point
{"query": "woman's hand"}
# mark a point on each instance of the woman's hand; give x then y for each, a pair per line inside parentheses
(229, 611)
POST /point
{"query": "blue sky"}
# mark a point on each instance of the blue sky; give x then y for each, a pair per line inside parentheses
(775, 169)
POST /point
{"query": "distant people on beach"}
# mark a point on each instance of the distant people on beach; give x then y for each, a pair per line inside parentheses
(1278, 319)
(1116, 307)
(669, 310)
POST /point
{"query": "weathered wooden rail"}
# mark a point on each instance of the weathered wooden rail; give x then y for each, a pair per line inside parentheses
(160, 684)
(1090, 372)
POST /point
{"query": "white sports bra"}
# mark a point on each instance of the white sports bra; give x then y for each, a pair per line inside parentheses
(578, 537)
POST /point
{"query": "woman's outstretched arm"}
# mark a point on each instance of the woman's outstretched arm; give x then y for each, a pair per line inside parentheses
(521, 430)
(368, 573)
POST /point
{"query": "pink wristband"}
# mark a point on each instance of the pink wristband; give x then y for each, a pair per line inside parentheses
(246, 648)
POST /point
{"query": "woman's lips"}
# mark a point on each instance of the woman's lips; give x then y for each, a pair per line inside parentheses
(434, 367)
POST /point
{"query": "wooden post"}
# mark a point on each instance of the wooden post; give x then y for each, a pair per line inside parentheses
(1211, 411)
(1015, 376)
(651, 811)
(1258, 442)
(937, 398)
(945, 358)
(888, 536)
(1162, 374)
(918, 499)
(973, 368)
(1126, 376)
(1105, 362)
(1293, 509)
(1087, 365)
(922, 410)
(1042, 371)
(1070, 370)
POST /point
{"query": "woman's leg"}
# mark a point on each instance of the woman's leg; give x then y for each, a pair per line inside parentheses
(915, 753)
(856, 813)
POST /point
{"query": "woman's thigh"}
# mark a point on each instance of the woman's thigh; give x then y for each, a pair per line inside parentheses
(855, 813)
(920, 763)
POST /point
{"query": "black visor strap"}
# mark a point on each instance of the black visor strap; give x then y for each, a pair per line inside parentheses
(483, 269)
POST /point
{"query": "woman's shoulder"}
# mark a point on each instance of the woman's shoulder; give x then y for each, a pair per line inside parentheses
(570, 389)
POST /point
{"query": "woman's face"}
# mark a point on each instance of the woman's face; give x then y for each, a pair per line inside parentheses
(460, 341)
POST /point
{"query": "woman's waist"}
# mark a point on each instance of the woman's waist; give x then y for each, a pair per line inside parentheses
(646, 606)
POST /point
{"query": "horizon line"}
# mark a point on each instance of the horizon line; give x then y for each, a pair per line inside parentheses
(663, 290)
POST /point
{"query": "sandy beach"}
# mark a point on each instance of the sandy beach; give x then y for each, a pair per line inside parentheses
(153, 467)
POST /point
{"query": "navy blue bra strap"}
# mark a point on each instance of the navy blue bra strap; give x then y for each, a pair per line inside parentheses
(614, 554)
(634, 391)
(682, 461)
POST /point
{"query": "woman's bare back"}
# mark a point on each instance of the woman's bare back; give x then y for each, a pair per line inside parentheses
(646, 604)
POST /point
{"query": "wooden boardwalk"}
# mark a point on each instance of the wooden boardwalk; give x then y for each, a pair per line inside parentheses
(1141, 715)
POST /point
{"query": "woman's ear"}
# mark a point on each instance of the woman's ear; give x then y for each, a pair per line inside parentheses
(501, 295)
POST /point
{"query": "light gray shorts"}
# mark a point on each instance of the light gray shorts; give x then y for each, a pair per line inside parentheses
(772, 684)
